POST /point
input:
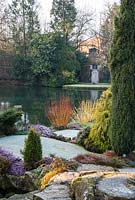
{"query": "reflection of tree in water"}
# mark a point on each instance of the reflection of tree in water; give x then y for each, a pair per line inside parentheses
(35, 101)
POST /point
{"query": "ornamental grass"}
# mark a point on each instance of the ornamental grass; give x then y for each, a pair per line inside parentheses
(85, 112)
(60, 112)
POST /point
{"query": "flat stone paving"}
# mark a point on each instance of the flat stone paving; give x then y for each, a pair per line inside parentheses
(50, 146)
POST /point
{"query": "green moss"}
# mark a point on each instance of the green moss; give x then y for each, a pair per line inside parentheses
(83, 188)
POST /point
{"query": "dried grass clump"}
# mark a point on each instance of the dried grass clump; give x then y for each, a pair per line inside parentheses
(85, 112)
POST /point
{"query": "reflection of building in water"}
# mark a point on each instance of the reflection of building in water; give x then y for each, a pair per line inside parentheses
(94, 95)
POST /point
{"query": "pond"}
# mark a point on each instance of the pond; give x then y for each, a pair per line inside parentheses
(35, 100)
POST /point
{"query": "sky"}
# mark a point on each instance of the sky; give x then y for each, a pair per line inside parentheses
(97, 5)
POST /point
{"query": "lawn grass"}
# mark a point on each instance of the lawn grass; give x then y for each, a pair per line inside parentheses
(87, 85)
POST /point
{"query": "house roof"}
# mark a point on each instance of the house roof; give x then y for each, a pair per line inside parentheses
(93, 42)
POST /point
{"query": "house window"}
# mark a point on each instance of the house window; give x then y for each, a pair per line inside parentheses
(92, 50)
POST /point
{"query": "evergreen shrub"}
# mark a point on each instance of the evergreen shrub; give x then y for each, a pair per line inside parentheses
(122, 64)
(82, 135)
(7, 121)
(33, 150)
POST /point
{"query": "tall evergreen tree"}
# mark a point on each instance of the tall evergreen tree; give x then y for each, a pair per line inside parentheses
(63, 15)
(23, 24)
(23, 21)
(123, 79)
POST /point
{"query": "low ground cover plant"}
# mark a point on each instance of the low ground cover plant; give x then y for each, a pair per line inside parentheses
(101, 159)
(11, 164)
(42, 130)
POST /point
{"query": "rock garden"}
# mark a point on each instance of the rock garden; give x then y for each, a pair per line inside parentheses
(73, 159)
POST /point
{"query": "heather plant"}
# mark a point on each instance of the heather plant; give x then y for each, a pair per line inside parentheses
(4, 165)
(99, 136)
(7, 121)
(60, 112)
(13, 165)
(32, 152)
(85, 112)
(100, 159)
(42, 130)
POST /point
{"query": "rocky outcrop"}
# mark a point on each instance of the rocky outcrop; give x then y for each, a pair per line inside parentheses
(88, 182)
(12, 184)
(28, 196)
(53, 192)
(92, 167)
(104, 186)
(117, 186)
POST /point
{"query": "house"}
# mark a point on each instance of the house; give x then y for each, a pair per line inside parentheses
(93, 43)
(92, 48)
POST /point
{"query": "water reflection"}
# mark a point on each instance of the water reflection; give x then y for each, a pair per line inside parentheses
(35, 101)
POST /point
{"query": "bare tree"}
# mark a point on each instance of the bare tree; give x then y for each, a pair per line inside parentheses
(83, 26)
(5, 44)
(106, 30)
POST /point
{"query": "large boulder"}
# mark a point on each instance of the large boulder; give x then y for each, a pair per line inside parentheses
(117, 186)
(14, 184)
(104, 186)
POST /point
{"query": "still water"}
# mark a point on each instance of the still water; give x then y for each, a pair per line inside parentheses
(35, 100)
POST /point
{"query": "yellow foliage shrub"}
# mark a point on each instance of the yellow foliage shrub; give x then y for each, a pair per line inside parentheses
(99, 137)
(57, 167)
